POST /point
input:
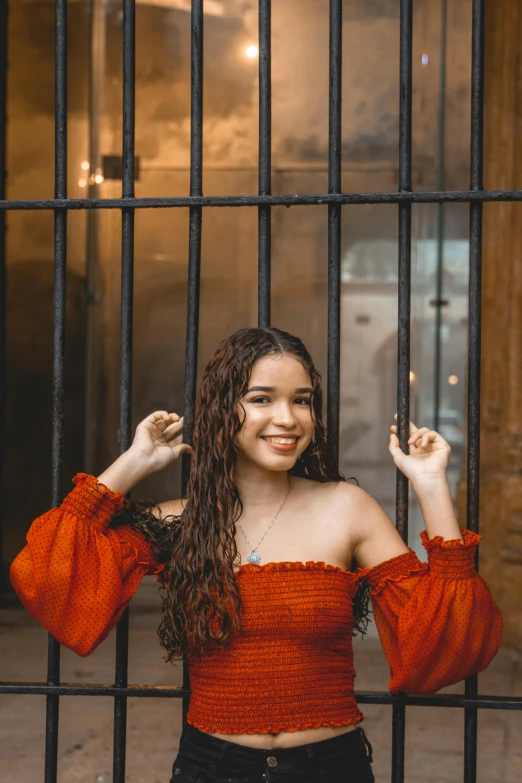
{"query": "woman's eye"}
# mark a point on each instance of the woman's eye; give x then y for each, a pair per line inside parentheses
(300, 399)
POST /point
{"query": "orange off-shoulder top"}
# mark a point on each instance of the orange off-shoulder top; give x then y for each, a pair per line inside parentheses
(292, 668)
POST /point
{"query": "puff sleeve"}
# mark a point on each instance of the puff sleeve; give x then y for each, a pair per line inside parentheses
(437, 621)
(76, 575)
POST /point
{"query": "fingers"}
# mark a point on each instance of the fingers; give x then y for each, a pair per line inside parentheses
(173, 434)
(412, 429)
(394, 447)
(418, 437)
(428, 437)
(421, 437)
(162, 419)
(174, 429)
(183, 448)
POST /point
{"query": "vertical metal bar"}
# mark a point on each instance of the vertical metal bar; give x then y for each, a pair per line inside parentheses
(403, 325)
(474, 338)
(194, 266)
(265, 161)
(59, 309)
(334, 224)
(97, 42)
(440, 219)
(4, 14)
(127, 296)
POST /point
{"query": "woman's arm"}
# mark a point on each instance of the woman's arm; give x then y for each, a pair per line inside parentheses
(76, 574)
(437, 621)
(374, 535)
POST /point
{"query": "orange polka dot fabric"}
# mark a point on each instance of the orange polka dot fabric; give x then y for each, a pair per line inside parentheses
(292, 668)
(76, 575)
(437, 622)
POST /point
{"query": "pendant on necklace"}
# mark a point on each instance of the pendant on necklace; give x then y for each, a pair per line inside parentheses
(254, 557)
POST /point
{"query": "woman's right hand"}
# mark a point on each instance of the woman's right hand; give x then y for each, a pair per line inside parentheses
(157, 443)
(159, 440)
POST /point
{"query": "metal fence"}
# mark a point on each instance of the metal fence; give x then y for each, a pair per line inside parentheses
(404, 197)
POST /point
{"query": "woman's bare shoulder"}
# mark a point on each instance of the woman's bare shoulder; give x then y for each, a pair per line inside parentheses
(374, 536)
(338, 499)
(334, 492)
(169, 508)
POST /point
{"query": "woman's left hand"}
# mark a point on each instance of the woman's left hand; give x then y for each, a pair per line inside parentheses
(428, 453)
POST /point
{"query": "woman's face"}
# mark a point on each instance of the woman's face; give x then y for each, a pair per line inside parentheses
(277, 408)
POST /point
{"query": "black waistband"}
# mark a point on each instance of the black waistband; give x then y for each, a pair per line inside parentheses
(230, 756)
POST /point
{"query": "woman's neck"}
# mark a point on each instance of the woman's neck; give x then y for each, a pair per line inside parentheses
(259, 488)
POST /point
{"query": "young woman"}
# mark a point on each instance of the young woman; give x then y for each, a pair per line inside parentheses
(266, 567)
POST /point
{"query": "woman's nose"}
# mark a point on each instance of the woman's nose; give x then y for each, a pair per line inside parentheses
(284, 415)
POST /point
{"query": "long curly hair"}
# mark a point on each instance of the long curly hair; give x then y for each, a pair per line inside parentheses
(201, 600)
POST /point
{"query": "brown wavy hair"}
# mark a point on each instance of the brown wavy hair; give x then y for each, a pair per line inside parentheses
(201, 601)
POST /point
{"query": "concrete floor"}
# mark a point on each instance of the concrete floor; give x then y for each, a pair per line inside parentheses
(434, 736)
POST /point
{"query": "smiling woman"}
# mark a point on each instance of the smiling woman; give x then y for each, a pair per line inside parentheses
(269, 644)
(282, 417)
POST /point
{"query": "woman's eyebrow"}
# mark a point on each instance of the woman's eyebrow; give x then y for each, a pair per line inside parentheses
(300, 390)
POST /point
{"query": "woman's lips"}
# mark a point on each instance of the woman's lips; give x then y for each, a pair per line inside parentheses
(282, 447)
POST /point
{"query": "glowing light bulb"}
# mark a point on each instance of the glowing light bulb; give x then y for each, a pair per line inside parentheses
(425, 59)
(85, 165)
(412, 376)
(251, 51)
(98, 179)
(82, 182)
(453, 380)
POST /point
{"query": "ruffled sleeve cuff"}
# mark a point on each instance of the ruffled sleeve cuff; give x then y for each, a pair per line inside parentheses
(91, 501)
(142, 551)
(452, 559)
(395, 569)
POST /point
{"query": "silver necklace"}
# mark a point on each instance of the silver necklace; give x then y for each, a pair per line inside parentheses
(253, 556)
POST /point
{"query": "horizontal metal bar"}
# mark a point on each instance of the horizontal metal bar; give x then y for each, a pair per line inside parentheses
(297, 200)
(81, 689)
(177, 692)
(443, 700)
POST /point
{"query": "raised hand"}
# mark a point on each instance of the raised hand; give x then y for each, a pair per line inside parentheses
(428, 453)
(158, 442)
(159, 439)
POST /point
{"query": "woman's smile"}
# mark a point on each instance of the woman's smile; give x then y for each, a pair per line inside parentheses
(281, 443)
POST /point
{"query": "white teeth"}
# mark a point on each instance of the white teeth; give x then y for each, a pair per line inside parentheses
(282, 440)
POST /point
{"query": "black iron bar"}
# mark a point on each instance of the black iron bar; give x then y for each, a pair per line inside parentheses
(127, 300)
(4, 14)
(194, 259)
(59, 309)
(289, 200)
(403, 329)
(265, 163)
(439, 302)
(93, 275)
(175, 692)
(474, 338)
(334, 224)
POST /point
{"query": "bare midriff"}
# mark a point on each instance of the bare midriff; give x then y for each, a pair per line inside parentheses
(286, 739)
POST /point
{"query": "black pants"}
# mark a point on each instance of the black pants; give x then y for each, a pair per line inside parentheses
(205, 759)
